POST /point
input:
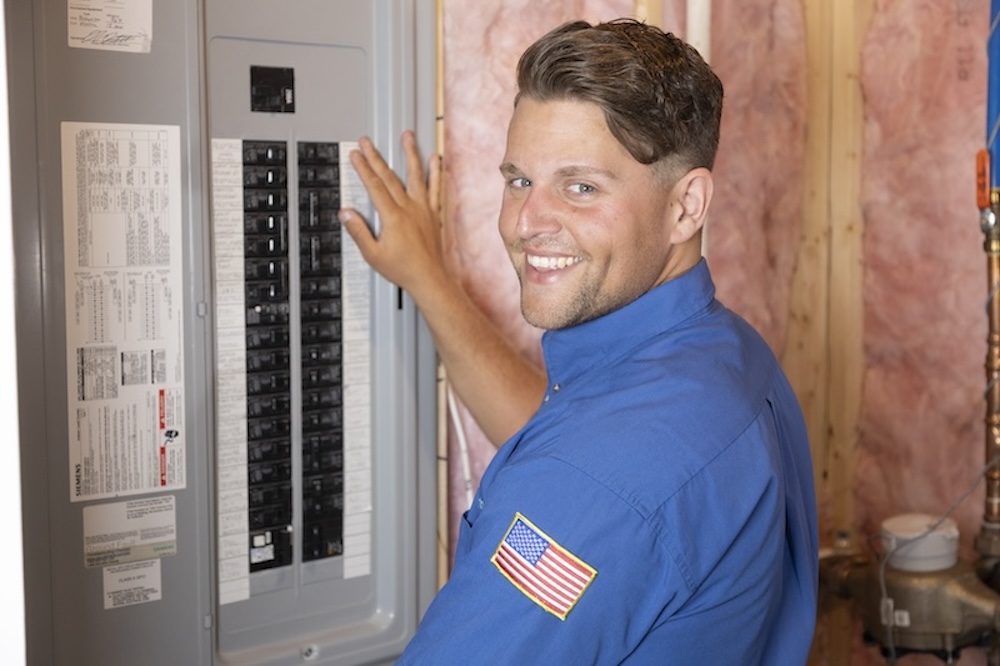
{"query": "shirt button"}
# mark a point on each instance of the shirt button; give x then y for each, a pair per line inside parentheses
(555, 388)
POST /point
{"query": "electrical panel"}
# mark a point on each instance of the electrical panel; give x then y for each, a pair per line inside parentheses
(228, 421)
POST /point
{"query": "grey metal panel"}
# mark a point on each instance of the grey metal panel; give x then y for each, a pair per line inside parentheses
(53, 83)
(357, 68)
(392, 43)
(422, 97)
(27, 231)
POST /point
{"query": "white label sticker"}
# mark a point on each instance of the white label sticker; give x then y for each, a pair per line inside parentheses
(123, 243)
(132, 583)
(110, 25)
(130, 531)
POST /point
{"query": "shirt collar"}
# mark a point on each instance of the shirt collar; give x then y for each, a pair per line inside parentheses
(570, 352)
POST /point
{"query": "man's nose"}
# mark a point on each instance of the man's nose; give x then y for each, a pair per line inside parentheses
(540, 213)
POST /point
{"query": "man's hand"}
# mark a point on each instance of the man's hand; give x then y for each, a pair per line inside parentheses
(408, 250)
(498, 385)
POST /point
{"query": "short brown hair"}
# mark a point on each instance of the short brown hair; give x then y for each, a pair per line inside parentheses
(661, 100)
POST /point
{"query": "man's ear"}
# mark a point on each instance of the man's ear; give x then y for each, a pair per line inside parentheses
(693, 194)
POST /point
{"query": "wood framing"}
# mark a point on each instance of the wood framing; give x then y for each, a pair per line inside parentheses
(825, 355)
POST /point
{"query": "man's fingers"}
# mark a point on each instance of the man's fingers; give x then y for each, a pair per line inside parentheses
(363, 237)
(378, 167)
(434, 183)
(374, 183)
(416, 184)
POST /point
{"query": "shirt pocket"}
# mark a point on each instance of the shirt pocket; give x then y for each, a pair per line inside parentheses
(467, 523)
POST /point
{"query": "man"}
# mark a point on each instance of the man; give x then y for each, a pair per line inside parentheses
(653, 502)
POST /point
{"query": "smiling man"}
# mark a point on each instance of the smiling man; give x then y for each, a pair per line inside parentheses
(588, 228)
(652, 501)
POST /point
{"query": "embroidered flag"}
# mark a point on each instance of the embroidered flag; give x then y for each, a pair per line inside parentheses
(547, 573)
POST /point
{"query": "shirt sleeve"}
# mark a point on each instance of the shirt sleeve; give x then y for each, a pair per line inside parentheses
(522, 591)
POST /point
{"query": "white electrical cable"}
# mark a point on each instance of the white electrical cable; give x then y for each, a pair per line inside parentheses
(463, 447)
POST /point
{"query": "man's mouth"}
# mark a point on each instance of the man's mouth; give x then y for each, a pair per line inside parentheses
(551, 263)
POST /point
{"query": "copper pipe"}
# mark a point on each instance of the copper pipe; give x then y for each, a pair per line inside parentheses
(988, 222)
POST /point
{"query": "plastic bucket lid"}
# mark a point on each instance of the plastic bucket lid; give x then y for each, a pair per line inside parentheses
(911, 548)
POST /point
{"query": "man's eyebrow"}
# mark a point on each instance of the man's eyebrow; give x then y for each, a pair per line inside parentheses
(581, 170)
(572, 171)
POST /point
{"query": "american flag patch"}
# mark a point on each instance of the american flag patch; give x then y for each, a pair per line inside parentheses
(544, 571)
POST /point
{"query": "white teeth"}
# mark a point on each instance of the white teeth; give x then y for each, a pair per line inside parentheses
(552, 263)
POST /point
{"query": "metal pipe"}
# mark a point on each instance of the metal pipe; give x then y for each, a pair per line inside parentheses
(992, 248)
(988, 201)
(935, 612)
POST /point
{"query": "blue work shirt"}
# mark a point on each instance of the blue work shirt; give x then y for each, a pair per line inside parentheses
(658, 508)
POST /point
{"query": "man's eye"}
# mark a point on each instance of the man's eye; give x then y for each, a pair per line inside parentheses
(518, 183)
(582, 188)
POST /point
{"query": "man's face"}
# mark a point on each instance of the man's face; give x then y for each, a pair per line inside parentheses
(586, 226)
